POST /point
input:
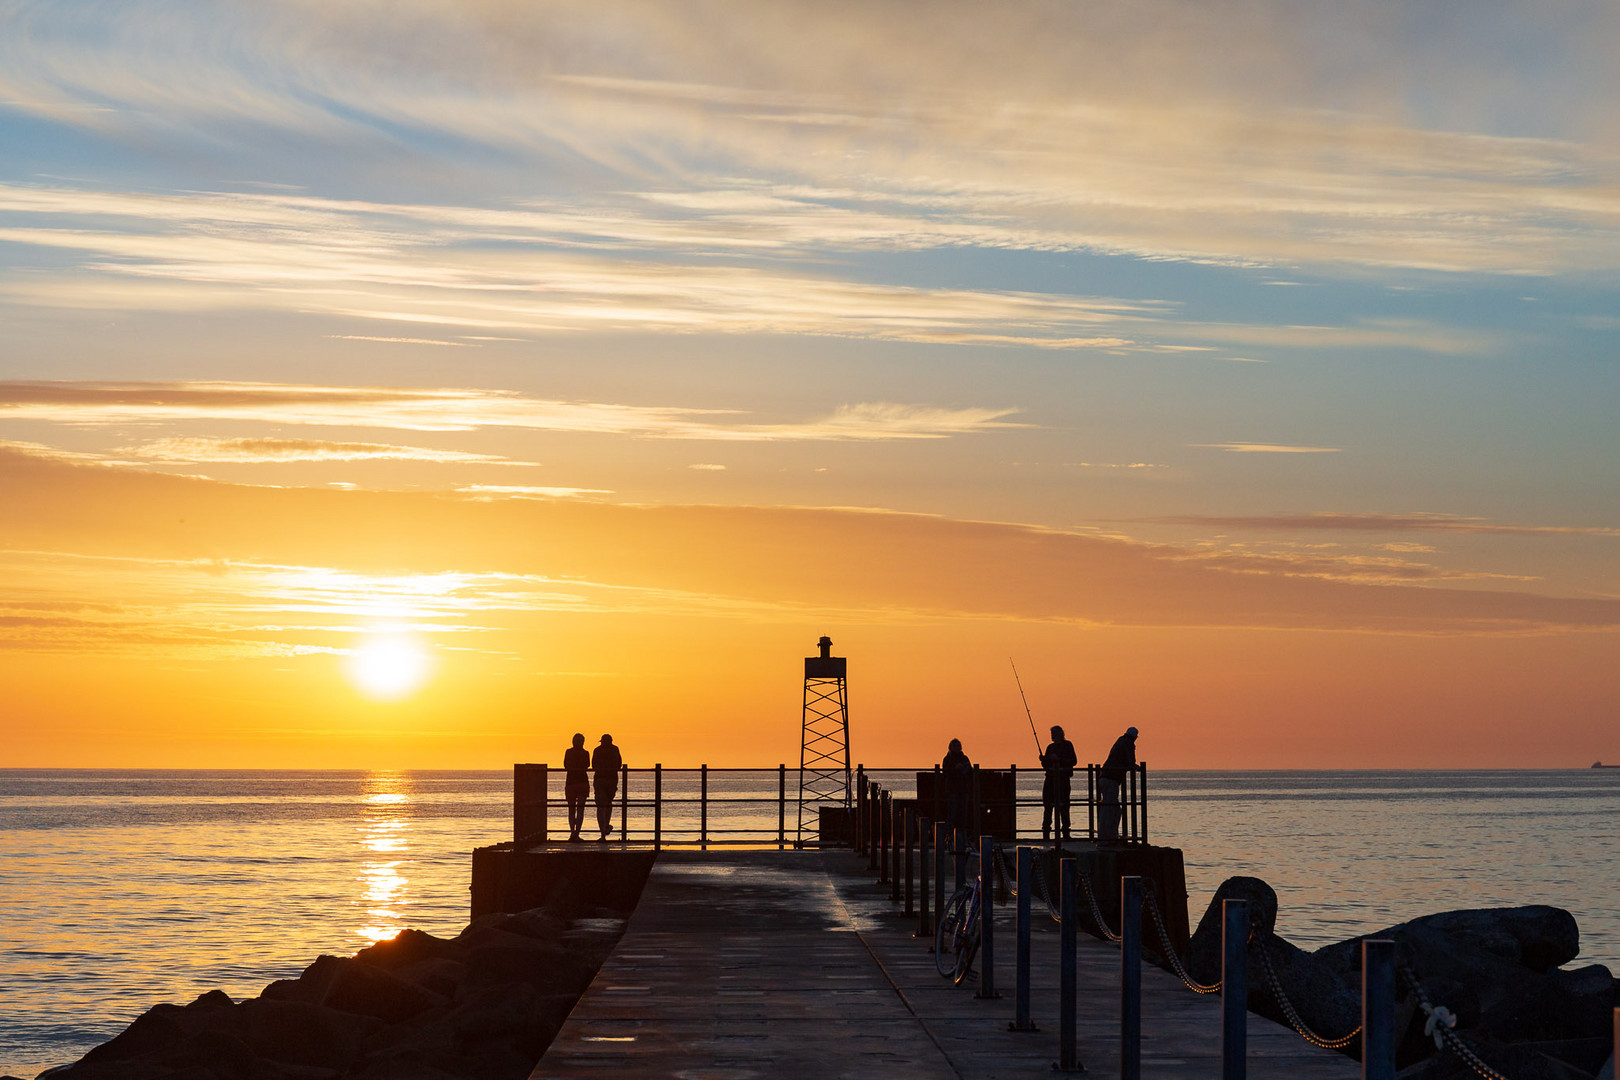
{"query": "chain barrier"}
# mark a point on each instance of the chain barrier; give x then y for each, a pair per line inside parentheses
(1170, 951)
(1439, 1023)
(1439, 1026)
(1292, 1014)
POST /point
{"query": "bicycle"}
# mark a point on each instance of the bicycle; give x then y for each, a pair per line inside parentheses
(956, 941)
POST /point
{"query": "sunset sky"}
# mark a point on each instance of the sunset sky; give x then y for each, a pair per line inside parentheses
(413, 384)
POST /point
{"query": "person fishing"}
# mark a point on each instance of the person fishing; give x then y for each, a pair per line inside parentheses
(956, 772)
(1110, 778)
(1059, 760)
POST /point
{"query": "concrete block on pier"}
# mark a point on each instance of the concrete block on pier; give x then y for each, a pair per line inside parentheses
(509, 878)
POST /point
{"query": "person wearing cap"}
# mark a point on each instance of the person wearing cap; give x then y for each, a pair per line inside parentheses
(1110, 778)
(1059, 761)
(606, 763)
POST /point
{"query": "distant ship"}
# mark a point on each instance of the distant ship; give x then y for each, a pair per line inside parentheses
(1600, 765)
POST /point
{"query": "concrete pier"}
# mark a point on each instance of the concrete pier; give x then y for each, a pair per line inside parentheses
(769, 964)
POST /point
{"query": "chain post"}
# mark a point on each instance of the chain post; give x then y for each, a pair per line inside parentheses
(1068, 966)
(1234, 988)
(960, 849)
(1026, 886)
(908, 832)
(1130, 978)
(925, 834)
(987, 919)
(1377, 1009)
(942, 843)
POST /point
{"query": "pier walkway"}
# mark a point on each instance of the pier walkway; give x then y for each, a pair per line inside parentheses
(748, 964)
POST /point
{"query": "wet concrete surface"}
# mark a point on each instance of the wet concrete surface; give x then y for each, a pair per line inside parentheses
(746, 964)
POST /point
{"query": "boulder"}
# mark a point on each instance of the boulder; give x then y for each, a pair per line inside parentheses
(1537, 938)
(1320, 997)
(405, 948)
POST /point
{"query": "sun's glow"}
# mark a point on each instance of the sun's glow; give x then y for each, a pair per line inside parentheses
(389, 666)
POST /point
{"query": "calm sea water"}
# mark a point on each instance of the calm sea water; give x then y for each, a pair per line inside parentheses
(119, 889)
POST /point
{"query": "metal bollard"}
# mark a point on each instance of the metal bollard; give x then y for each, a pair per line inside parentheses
(961, 850)
(885, 839)
(1378, 1009)
(1130, 978)
(987, 919)
(942, 843)
(925, 865)
(1069, 967)
(897, 840)
(1234, 988)
(871, 825)
(908, 836)
(1026, 886)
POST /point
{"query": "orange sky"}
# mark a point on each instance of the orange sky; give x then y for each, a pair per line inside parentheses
(154, 620)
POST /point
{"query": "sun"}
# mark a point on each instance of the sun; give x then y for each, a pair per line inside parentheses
(389, 666)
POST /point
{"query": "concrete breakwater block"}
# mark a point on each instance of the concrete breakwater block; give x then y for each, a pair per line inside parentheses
(1497, 970)
(507, 877)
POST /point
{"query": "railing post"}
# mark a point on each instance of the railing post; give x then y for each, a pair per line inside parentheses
(1234, 988)
(703, 807)
(908, 832)
(530, 807)
(1026, 886)
(1068, 966)
(925, 869)
(978, 813)
(1130, 978)
(1091, 802)
(961, 849)
(987, 918)
(781, 808)
(1144, 802)
(942, 833)
(1012, 817)
(624, 804)
(1377, 1009)
(658, 806)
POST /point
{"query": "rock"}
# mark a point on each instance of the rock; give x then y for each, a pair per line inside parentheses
(299, 1033)
(1317, 992)
(406, 947)
(1536, 937)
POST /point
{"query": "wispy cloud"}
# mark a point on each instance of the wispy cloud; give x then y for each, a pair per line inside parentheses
(1267, 448)
(268, 451)
(94, 403)
(1434, 523)
(1052, 127)
(491, 492)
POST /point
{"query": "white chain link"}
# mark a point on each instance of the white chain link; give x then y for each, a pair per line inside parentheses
(1443, 1029)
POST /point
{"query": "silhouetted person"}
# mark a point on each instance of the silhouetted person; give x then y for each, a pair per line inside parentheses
(1110, 778)
(605, 762)
(1059, 761)
(577, 787)
(956, 772)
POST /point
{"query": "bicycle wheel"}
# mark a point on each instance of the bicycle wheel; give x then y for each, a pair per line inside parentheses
(967, 943)
(948, 933)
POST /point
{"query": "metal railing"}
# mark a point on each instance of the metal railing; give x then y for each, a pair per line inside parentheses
(715, 807)
(994, 806)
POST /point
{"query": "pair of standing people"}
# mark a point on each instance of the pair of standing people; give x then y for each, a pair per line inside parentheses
(580, 764)
(1060, 761)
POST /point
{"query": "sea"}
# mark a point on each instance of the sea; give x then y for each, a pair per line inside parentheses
(123, 888)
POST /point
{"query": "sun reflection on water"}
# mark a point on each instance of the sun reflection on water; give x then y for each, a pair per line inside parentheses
(384, 832)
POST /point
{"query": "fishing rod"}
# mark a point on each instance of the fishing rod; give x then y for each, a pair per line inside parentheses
(1039, 754)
